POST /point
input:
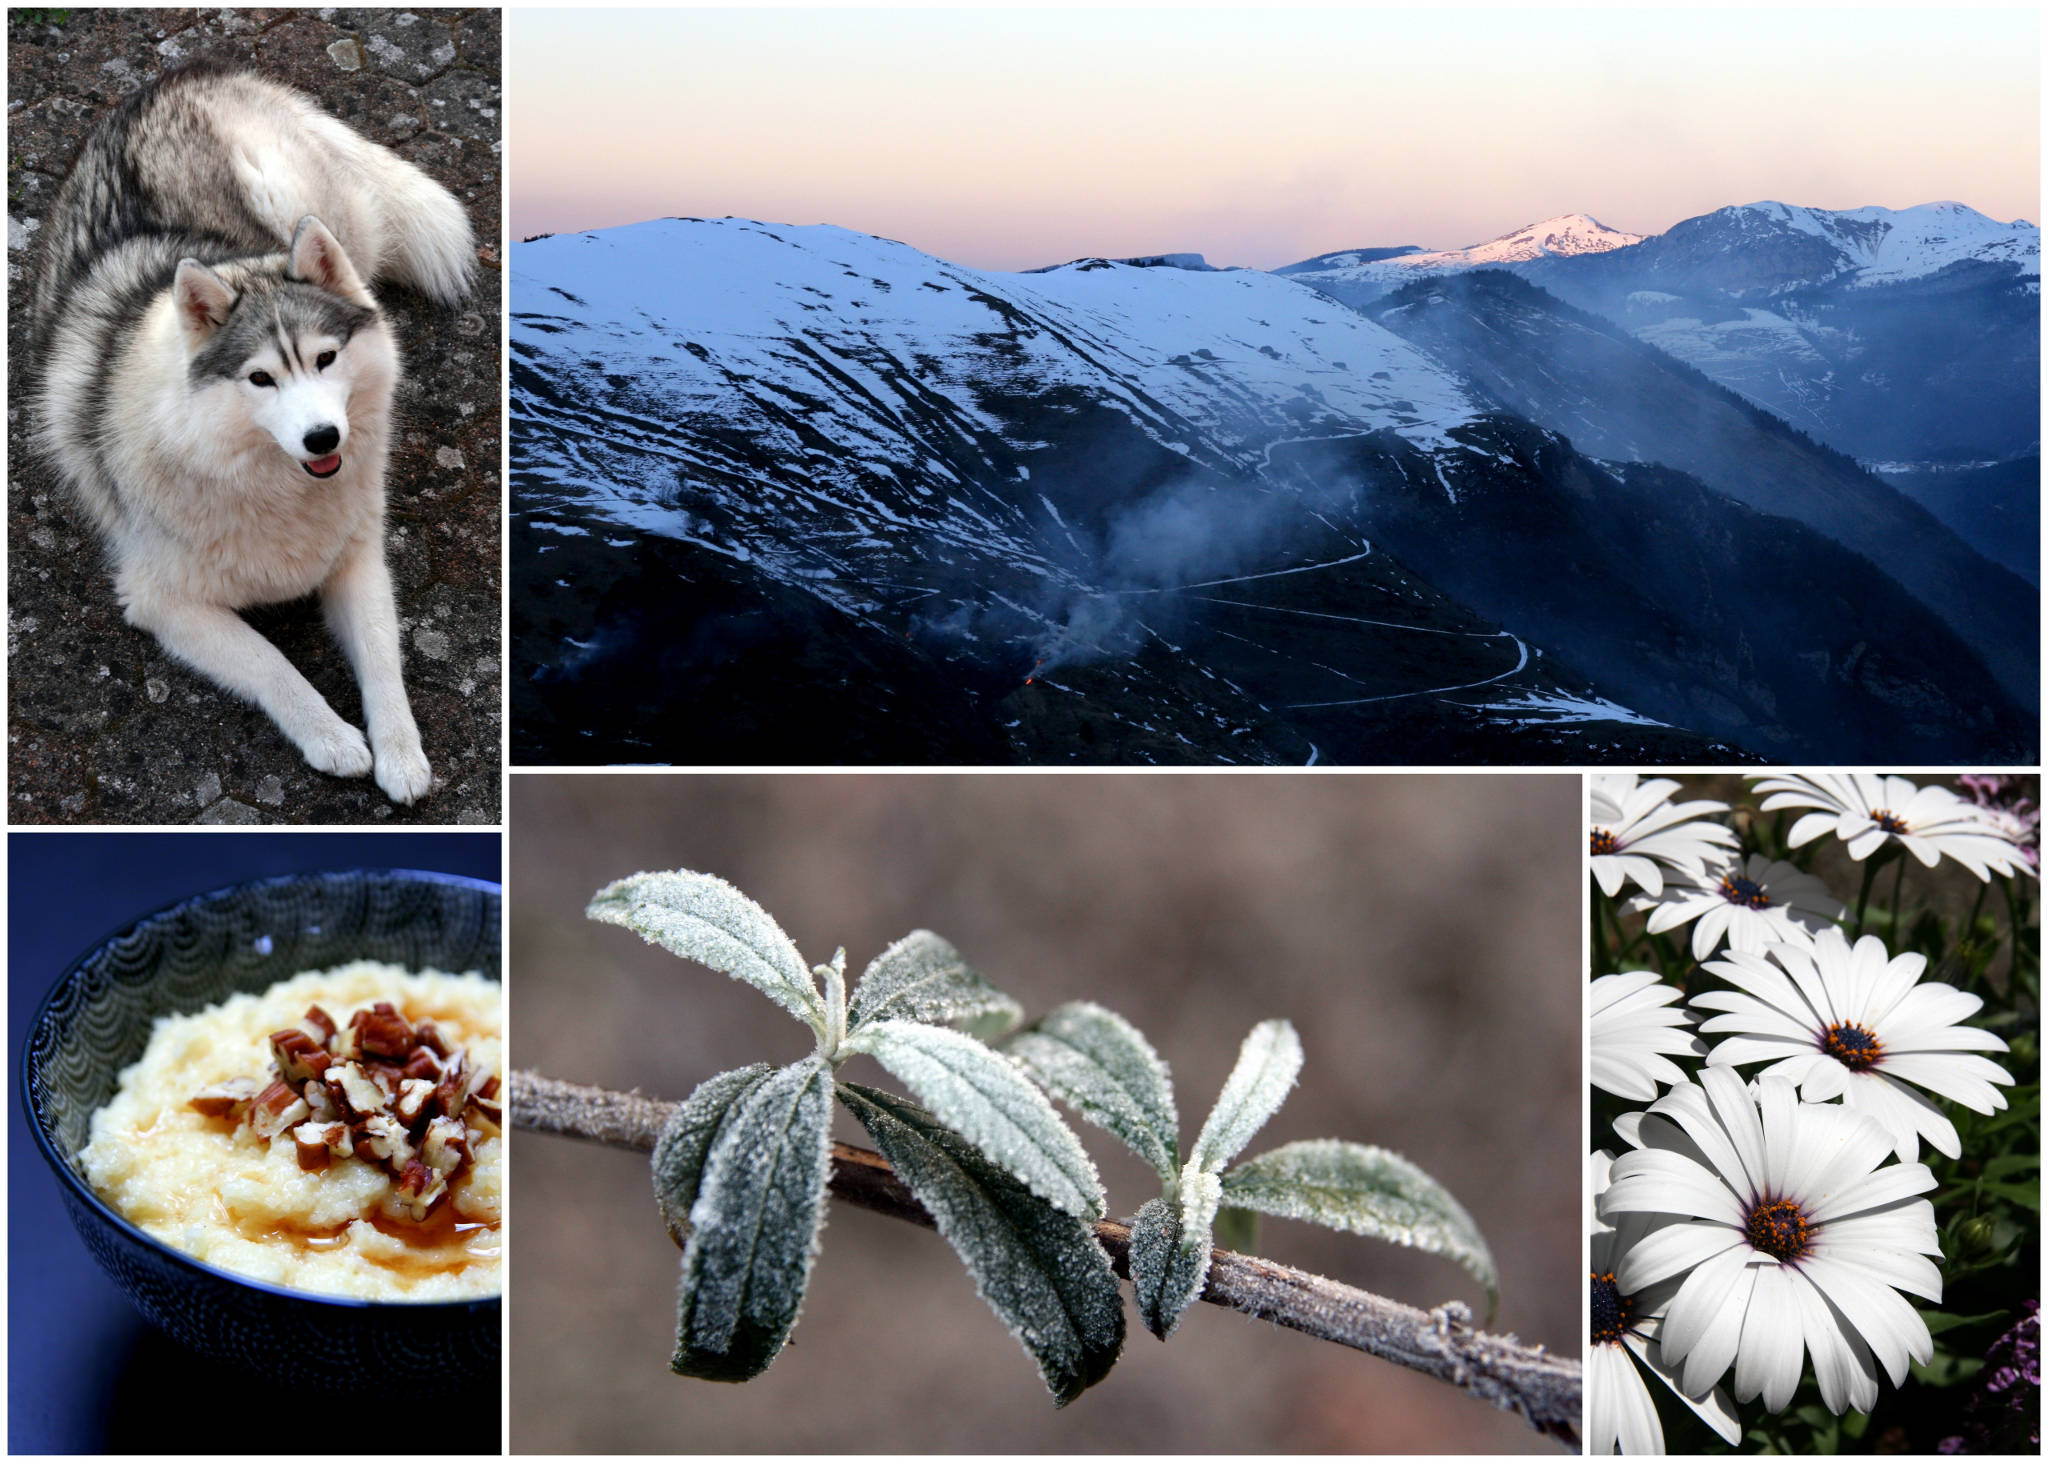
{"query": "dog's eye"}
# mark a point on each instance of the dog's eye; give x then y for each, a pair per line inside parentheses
(260, 378)
(324, 360)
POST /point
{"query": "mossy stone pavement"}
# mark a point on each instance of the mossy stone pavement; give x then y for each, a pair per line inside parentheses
(103, 726)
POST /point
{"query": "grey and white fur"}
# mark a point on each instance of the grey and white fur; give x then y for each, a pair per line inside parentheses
(216, 383)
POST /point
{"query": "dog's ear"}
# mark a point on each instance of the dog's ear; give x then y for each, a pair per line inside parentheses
(203, 301)
(317, 258)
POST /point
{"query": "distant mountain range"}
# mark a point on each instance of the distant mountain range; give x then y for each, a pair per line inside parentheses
(1899, 335)
(1360, 272)
(800, 494)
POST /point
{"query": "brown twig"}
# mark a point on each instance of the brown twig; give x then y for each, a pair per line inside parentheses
(1544, 1388)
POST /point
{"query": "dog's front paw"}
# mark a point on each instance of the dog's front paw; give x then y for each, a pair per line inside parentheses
(339, 751)
(403, 773)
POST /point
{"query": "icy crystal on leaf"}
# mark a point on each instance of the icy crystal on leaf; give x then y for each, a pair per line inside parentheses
(1040, 1270)
(702, 918)
(1103, 1068)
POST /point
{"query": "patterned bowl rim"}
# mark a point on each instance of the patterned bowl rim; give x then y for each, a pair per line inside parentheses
(83, 1192)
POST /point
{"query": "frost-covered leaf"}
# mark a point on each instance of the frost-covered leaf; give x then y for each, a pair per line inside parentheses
(986, 1098)
(1362, 1190)
(1103, 1068)
(754, 1226)
(702, 918)
(1169, 1262)
(1040, 1270)
(923, 978)
(1266, 1068)
(687, 1137)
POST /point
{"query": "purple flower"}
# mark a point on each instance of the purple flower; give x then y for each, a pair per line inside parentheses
(2006, 807)
(2003, 1413)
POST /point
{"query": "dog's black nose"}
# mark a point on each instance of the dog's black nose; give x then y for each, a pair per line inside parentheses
(322, 440)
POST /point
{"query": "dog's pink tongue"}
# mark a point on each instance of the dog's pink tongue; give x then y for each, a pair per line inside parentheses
(325, 465)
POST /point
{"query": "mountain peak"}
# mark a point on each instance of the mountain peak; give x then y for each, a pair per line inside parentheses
(1888, 245)
(1568, 233)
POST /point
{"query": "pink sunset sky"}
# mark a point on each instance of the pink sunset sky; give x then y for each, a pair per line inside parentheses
(1013, 138)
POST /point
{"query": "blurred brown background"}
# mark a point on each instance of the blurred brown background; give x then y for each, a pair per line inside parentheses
(1422, 933)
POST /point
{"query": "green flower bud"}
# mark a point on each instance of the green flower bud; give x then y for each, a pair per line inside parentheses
(1976, 1235)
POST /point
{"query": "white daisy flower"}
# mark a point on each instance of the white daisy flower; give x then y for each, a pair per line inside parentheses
(1792, 1239)
(1867, 811)
(1635, 1030)
(1750, 903)
(1849, 1023)
(1620, 1413)
(1635, 828)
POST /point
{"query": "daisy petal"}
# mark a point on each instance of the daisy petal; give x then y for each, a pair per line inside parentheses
(1768, 1358)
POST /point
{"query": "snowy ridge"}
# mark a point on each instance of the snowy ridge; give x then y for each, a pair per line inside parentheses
(1886, 245)
(1561, 237)
(705, 303)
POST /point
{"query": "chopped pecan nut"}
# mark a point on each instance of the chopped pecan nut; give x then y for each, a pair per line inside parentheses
(359, 1094)
(384, 1140)
(387, 1075)
(451, 1093)
(229, 1099)
(489, 1109)
(345, 1044)
(316, 1143)
(420, 1188)
(428, 1035)
(424, 1065)
(320, 1098)
(318, 1024)
(414, 1095)
(446, 1146)
(276, 1108)
(382, 1032)
(299, 1058)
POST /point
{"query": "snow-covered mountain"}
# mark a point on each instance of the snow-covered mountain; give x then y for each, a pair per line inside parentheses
(1619, 398)
(1359, 275)
(1890, 334)
(1862, 247)
(1906, 335)
(808, 495)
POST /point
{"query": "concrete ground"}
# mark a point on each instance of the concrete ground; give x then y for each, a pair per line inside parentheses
(103, 726)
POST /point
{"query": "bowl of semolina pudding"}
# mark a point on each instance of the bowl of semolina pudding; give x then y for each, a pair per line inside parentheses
(276, 1116)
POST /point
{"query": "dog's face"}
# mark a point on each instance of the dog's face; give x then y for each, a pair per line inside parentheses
(294, 346)
(295, 386)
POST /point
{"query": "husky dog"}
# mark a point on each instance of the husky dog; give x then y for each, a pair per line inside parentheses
(216, 383)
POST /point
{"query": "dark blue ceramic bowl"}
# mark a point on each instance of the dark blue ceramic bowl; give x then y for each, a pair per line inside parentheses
(96, 1021)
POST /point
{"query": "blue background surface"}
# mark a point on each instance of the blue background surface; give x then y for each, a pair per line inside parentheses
(85, 1372)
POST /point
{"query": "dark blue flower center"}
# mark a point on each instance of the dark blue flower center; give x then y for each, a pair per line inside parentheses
(1780, 1228)
(1604, 841)
(1746, 892)
(1889, 821)
(1855, 1047)
(1612, 1311)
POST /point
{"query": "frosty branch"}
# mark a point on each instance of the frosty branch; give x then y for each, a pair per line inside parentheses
(1541, 1387)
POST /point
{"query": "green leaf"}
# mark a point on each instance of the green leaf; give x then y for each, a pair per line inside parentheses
(702, 918)
(1102, 1067)
(1040, 1270)
(1266, 1068)
(1170, 1251)
(1940, 1321)
(986, 1097)
(923, 978)
(687, 1137)
(754, 1226)
(1362, 1190)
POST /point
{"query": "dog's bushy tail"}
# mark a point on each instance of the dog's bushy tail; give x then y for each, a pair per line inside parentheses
(429, 244)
